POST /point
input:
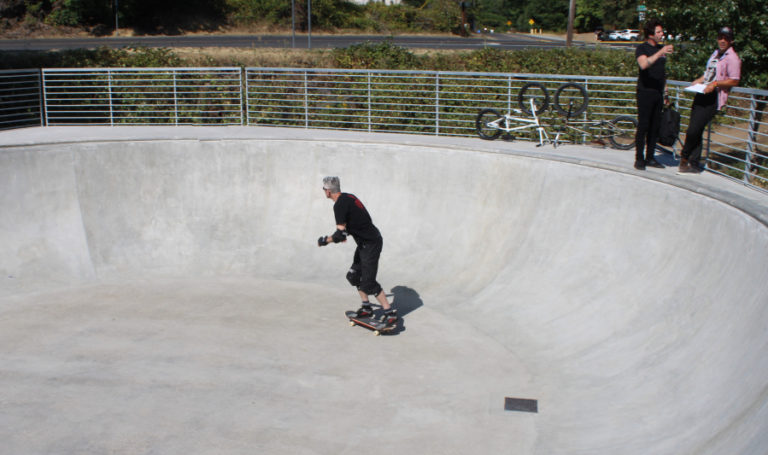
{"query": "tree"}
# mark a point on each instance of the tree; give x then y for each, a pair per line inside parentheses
(172, 15)
(697, 24)
(620, 13)
(79, 12)
(589, 15)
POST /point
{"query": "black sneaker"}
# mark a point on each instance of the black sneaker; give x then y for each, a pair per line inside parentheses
(365, 311)
(653, 163)
(640, 165)
(390, 317)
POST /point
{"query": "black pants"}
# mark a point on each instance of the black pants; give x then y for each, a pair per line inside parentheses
(703, 110)
(649, 105)
(366, 260)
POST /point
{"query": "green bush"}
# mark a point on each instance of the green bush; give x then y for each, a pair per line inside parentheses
(97, 58)
(383, 55)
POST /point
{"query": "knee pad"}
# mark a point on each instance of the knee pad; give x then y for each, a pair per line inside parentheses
(353, 276)
(372, 289)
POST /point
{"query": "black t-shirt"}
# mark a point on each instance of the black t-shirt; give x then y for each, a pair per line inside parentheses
(655, 76)
(350, 211)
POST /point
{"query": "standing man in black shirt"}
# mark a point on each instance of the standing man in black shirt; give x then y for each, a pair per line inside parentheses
(651, 91)
(353, 219)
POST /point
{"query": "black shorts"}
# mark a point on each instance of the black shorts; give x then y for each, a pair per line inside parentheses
(366, 260)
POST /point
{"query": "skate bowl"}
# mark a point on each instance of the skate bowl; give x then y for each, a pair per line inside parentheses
(163, 292)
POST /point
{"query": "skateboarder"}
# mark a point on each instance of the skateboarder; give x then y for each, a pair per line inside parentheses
(353, 219)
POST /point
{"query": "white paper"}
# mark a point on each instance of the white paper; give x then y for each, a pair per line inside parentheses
(697, 88)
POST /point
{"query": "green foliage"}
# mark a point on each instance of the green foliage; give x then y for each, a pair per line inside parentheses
(409, 16)
(402, 18)
(620, 13)
(254, 11)
(97, 58)
(551, 15)
(600, 62)
(64, 13)
(326, 14)
(383, 55)
(172, 16)
(697, 23)
(437, 15)
(589, 15)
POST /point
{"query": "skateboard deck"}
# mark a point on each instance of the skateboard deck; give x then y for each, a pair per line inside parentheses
(374, 324)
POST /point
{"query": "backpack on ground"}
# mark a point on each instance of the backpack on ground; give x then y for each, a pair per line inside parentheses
(670, 126)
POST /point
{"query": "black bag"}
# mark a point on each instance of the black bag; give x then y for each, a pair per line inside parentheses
(670, 126)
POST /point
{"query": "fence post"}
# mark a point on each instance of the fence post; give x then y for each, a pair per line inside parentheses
(245, 118)
(437, 104)
(175, 101)
(585, 115)
(677, 108)
(306, 100)
(369, 102)
(709, 141)
(43, 100)
(111, 99)
(751, 137)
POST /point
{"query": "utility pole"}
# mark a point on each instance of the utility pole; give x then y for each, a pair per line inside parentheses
(293, 24)
(571, 14)
(117, 27)
(309, 24)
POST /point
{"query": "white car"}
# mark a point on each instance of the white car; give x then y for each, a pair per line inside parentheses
(629, 35)
(615, 35)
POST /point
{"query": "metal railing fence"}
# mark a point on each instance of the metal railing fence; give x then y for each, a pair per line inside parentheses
(446, 103)
(415, 102)
(418, 102)
(20, 99)
(139, 96)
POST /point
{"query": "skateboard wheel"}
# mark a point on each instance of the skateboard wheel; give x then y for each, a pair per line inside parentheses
(351, 323)
(376, 332)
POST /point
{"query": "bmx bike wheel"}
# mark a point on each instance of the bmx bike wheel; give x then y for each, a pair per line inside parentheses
(486, 124)
(536, 92)
(623, 130)
(571, 99)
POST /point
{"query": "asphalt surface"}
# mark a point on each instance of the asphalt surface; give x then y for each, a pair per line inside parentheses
(501, 41)
(162, 291)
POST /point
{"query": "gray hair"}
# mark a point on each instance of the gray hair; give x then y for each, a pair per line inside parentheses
(332, 183)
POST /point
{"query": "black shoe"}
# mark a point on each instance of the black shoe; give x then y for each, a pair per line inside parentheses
(390, 317)
(640, 165)
(653, 163)
(365, 311)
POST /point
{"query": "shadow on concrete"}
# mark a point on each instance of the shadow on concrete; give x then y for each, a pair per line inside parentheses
(406, 300)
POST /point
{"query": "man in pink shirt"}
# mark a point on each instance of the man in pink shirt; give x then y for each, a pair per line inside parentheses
(723, 73)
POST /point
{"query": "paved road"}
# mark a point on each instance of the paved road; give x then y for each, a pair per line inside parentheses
(502, 41)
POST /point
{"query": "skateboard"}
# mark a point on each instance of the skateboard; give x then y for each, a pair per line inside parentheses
(374, 324)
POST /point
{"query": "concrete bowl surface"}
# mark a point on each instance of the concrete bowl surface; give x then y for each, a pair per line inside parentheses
(162, 291)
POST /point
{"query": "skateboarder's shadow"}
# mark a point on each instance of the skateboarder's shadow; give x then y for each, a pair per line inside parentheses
(406, 300)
